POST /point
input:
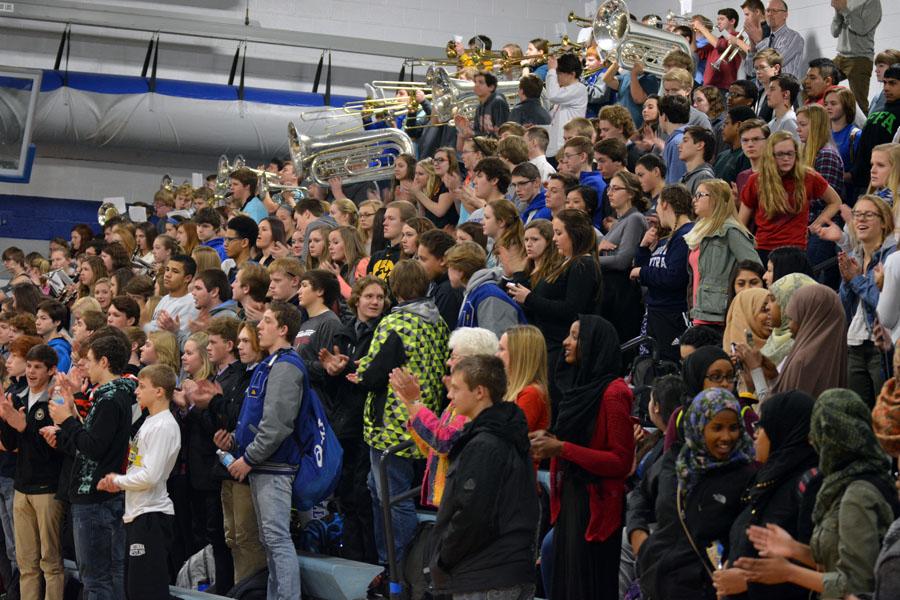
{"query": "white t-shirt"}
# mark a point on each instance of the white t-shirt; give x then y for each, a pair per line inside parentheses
(182, 307)
(150, 460)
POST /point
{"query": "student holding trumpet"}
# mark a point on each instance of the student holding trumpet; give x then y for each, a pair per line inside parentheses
(723, 54)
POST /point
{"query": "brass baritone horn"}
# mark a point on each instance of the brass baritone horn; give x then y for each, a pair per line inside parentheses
(631, 42)
(456, 96)
(354, 157)
(107, 212)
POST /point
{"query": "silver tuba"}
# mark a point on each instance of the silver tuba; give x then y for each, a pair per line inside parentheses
(354, 157)
(631, 41)
(456, 96)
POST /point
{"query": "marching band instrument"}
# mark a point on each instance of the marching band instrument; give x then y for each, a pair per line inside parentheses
(107, 212)
(456, 96)
(632, 42)
(357, 157)
(679, 20)
(729, 53)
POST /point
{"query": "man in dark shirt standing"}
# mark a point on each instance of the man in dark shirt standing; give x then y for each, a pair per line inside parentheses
(493, 110)
(529, 110)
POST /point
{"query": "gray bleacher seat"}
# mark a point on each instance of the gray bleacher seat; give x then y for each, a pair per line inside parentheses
(333, 578)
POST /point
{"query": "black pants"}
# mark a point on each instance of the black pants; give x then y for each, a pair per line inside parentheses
(209, 528)
(355, 503)
(146, 571)
(665, 327)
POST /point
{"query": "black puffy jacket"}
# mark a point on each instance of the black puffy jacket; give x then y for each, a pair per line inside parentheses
(668, 566)
(485, 530)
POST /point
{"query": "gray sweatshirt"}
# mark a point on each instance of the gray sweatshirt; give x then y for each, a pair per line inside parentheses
(854, 28)
(626, 234)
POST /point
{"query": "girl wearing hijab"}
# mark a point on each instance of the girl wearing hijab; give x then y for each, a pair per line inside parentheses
(854, 508)
(591, 451)
(748, 312)
(748, 321)
(782, 447)
(818, 360)
(763, 365)
(706, 368)
(700, 489)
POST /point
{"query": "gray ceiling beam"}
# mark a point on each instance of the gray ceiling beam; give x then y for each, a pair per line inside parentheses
(151, 21)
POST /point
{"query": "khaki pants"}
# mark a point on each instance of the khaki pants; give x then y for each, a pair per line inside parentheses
(858, 70)
(38, 519)
(241, 530)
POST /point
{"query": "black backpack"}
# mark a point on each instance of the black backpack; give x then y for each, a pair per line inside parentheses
(253, 587)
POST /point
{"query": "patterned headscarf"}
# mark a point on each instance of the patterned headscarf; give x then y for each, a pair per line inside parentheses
(886, 417)
(694, 460)
(781, 341)
(841, 432)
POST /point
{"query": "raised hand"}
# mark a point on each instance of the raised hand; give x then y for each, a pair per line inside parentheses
(771, 541)
(335, 362)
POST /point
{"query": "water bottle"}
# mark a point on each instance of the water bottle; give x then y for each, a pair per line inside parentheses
(225, 458)
(57, 397)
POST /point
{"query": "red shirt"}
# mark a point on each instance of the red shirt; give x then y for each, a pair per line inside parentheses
(782, 229)
(728, 70)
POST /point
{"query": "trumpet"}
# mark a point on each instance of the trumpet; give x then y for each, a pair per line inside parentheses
(730, 52)
(679, 20)
(358, 157)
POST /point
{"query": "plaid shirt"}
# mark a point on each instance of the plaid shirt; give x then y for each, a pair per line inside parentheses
(831, 167)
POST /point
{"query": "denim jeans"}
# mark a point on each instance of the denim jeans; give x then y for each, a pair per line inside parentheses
(400, 473)
(547, 563)
(272, 503)
(100, 548)
(7, 494)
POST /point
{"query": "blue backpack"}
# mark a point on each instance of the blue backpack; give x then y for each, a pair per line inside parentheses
(315, 450)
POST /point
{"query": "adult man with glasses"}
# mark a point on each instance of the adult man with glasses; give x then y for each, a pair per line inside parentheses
(789, 44)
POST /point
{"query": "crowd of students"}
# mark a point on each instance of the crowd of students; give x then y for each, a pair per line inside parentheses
(463, 326)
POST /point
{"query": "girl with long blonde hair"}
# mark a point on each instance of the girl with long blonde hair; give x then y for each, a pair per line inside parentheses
(348, 258)
(884, 174)
(161, 348)
(195, 359)
(777, 198)
(717, 242)
(426, 192)
(367, 210)
(524, 354)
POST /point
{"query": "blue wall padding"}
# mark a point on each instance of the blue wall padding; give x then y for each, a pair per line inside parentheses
(38, 218)
(122, 84)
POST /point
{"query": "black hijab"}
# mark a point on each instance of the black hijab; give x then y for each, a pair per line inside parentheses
(584, 383)
(785, 418)
(697, 364)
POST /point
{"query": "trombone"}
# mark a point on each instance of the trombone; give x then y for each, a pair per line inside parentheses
(730, 52)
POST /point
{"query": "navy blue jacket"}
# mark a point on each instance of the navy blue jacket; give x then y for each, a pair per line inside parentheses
(665, 272)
